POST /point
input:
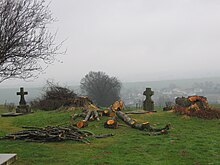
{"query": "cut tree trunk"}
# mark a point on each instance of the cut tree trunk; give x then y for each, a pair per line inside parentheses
(108, 112)
(88, 115)
(141, 126)
(81, 124)
(111, 123)
(139, 112)
(129, 121)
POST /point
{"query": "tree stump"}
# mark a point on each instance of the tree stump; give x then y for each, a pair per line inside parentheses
(81, 124)
(111, 123)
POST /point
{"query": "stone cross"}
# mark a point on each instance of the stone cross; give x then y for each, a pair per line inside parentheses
(148, 103)
(22, 93)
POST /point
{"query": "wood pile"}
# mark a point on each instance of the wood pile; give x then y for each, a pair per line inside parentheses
(193, 102)
(92, 113)
(195, 106)
(53, 134)
(115, 114)
(116, 106)
(87, 115)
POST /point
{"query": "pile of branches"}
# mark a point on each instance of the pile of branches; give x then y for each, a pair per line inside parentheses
(53, 134)
(195, 106)
(54, 97)
(204, 114)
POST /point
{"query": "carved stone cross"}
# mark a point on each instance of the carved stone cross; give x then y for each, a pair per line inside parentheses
(22, 93)
(148, 103)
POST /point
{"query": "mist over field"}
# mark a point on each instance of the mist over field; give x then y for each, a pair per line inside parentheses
(134, 40)
(159, 44)
(132, 92)
(140, 74)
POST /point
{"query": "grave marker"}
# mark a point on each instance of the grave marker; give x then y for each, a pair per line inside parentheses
(148, 103)
(22, 107)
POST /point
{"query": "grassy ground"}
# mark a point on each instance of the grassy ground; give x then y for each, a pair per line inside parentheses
(3, 109)
(190, 141)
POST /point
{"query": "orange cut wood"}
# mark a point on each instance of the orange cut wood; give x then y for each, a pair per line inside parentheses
(111, 114)
(115, 106)
(121, 103)
(195, 97)
(106, 111)
(132, 122)
(109, 122)
(80, 124)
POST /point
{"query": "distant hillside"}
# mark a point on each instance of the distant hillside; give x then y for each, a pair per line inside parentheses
(9, 94)
(183, 83)
(132, 93)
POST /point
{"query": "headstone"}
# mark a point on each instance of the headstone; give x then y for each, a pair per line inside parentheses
(7, 159)
(148, 103)
(22, 107)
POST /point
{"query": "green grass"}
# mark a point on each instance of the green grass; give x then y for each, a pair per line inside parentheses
(3, 109)
(190, 141)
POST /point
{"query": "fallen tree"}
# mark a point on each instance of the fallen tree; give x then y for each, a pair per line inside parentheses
(91, 112)
(115, 113)
(141, 126)
(139, 112)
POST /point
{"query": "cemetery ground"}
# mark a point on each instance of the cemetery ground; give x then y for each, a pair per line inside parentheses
(189, 141)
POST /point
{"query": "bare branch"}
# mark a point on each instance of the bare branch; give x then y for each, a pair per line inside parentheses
(25, 42)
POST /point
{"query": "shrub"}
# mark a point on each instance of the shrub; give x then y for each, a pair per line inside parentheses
(210, 113)
(54, 97)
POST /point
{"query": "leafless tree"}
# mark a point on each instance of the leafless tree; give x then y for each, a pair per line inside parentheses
(101, 88)
(26, 45)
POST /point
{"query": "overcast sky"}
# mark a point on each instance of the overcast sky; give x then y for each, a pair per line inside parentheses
(135, 40)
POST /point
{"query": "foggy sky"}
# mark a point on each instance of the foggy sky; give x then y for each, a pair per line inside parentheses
(135, 40)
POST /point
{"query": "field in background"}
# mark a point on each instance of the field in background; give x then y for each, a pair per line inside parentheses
(190, 141)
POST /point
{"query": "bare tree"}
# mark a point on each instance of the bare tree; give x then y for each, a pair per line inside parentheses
(25, 43)
(101, 88)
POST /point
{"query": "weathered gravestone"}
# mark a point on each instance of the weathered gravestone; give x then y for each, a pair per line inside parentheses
(148, 103)
(22, 107)
(7, 159)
